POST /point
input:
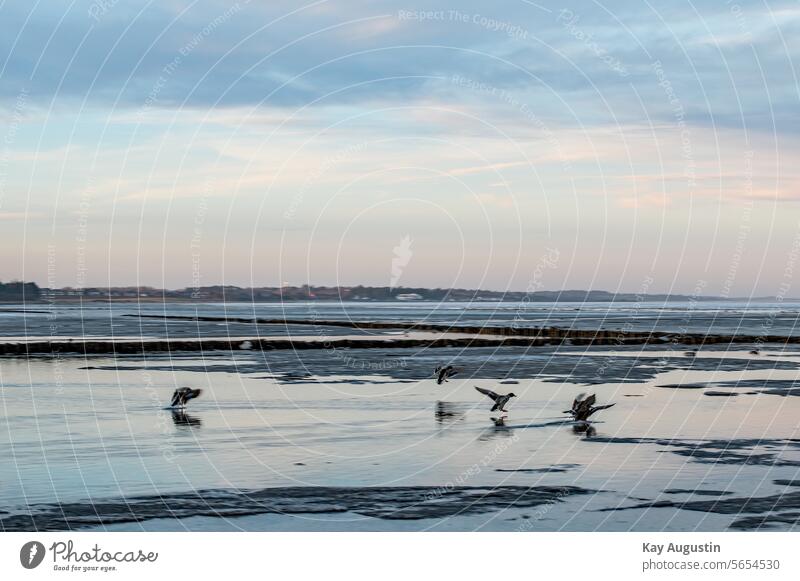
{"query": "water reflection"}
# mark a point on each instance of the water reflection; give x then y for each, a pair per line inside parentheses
(585, 428)
(500, 429)
(448, 412)
(181, 419)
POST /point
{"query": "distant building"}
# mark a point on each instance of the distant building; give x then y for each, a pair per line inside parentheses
(408, 297)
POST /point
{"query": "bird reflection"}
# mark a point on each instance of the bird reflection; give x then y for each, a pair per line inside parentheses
(584, 428)
(495, 433)
(448, 412)
(500, 430)
(181, 418)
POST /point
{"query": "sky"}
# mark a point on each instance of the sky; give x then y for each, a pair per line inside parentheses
(616, 145)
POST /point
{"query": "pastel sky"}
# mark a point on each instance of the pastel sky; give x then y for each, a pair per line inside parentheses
(516, 145)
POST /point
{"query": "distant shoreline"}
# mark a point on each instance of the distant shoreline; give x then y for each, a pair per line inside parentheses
(30, 293)
(171, 299)
(44, 300)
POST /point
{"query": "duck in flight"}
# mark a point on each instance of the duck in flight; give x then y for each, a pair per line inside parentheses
(500, 401)
(443, 372)
(582, 407)
(183, 395)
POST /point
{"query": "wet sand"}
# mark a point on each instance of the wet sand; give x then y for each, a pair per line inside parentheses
(364, 439)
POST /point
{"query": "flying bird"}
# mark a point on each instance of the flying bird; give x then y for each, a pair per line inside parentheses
(500, 401)
(443, 372)
(582, 407)
(183, 395)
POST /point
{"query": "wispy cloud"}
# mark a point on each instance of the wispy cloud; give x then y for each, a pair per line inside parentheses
(478, 137)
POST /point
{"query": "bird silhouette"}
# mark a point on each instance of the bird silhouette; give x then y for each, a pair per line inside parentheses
(443, 372)
(500, 401)
(582, 407)
(182, 395)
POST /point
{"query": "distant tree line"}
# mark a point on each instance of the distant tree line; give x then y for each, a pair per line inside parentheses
(18, 291)
(230, 293)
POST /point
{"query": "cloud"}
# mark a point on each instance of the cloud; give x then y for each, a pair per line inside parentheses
(575, 107)
(280, 55)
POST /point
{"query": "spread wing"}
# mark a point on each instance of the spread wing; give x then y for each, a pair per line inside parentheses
(575, 403)
(487, 392)
(603, 407)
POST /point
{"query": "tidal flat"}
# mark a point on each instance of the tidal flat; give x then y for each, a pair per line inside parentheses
(365, 439)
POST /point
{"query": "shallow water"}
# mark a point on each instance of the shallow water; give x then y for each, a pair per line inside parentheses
(98, 319)
(76, 441)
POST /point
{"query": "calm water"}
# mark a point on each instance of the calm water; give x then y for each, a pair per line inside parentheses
(80, 433)
(96, 319)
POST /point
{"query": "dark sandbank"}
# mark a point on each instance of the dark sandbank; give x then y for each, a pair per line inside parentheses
(390, 503)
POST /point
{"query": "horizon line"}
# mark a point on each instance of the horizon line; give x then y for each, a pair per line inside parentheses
(397, 289)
